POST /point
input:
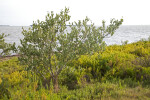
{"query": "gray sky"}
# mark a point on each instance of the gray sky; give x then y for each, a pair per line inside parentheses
(24, 12)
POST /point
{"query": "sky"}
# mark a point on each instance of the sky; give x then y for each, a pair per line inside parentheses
(24, 12)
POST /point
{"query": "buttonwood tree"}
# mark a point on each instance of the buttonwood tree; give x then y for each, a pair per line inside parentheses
(48, 46)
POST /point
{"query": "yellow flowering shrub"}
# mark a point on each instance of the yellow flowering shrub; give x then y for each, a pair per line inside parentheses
(118, 61)
(16, 77)
(12, 72)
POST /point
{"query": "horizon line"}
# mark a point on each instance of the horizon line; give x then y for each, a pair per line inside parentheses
(88, 25)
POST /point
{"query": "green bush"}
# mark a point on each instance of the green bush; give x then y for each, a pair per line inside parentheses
(12, 76)
(122, 61)
(74, 78)
(69, 77)
(129, 61)
(12, 73)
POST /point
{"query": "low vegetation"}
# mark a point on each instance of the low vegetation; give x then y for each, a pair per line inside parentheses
(120, 72)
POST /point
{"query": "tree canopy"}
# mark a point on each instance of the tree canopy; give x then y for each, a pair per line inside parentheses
(48, 46)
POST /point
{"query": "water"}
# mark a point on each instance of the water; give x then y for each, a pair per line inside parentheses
(132, 33)
(15, 33)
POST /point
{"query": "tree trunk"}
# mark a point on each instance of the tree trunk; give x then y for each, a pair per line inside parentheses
(55, 83)
(54, 78)
(46, 83)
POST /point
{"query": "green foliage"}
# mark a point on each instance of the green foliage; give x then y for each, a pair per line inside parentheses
(47, 47)
(5, 47)
(11, 75)
(4, 93)
(121, 61)
(69, 77)
(105, 90)
(74, 78)
(135, 65)
(120, 70)
(94, 65)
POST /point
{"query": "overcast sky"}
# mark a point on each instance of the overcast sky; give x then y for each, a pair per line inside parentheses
(24, 12)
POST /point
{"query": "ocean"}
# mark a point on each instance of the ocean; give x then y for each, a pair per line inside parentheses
(132, 33)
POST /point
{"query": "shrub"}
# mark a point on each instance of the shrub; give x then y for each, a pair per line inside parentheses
(121, 61)
(74, 78)
(13, 76)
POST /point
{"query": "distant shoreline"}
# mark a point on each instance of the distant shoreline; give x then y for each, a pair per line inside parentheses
(4, 25)
(66, 25)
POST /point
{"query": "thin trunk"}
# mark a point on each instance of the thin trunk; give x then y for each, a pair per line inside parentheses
(55, 83)
(46, 82)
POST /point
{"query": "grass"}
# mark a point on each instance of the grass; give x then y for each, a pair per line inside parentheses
(106, 91)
